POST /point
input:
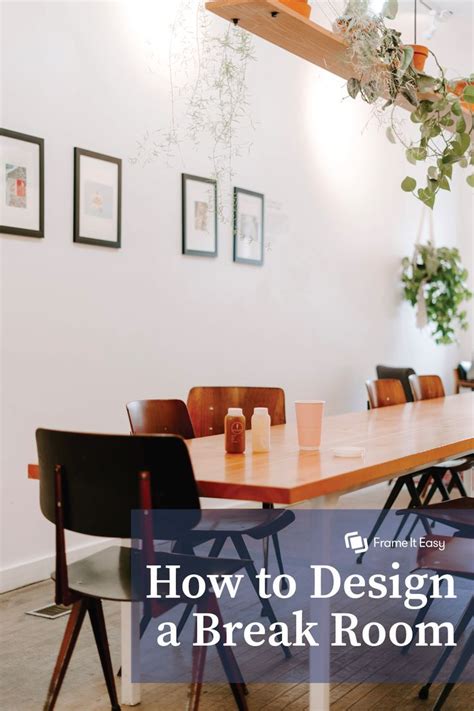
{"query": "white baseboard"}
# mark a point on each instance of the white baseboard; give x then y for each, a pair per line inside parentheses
(33, 571)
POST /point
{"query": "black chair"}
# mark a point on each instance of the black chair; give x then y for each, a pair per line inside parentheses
(155, 416)
(89, 484)
(387, 372)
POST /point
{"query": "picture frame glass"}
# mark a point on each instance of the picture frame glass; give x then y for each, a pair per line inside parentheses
(20, 178)
(248, 227)
(98, 199)
(200, 217)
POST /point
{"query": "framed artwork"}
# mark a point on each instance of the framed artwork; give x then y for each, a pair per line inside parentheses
(97, 198)
(21, 184)
(248, 226)
(199, 208)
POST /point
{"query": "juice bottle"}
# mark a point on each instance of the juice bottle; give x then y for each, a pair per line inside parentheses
(234, 427)
(261, 430)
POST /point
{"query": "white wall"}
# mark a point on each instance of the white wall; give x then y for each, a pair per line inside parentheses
(85, 329)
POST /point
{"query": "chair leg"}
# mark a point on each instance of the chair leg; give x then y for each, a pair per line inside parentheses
(96, 615)
(229, 662)
(397, 487)
(215, 552)
(276, 545)
(464, 620)
(199, 662)
(420, 487)
(466, 654)
(420, 616)
(244, 554)
(68, 643)
(457, 482)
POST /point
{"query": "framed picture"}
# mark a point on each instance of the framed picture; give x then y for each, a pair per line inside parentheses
(21, 184)
(199, 206)
(248, 226)
(97, 198)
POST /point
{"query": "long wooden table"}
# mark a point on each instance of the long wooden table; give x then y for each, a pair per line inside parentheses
(397, 440)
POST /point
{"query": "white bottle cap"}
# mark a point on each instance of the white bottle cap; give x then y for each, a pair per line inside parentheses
(260, 411)
(235, 411)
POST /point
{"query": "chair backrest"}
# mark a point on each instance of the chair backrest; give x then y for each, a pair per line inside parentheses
(208, 406)
(426, 387)
(383, 393)
(402, 374)
(100, 479)
(160, 417)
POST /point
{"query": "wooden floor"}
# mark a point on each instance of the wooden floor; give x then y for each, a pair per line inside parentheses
(28, 648)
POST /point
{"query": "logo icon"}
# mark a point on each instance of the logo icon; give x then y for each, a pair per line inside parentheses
(356, 542)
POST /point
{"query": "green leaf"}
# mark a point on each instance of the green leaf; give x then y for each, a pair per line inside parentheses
(406, 58)
(408, 184)
(460, 125)
(390, 134)
(433, 172)
(409, 156)
(468, 94)
(470, 180)
(443, 183)
(353, 87)
(456, 108)
(390, 9)
(464, 140)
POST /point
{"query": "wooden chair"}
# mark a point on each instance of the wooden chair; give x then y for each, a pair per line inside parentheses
(386, 393)
(460, 382)
(90, 484)
(172, 417)
(160, 417)
(456, 560)
(208, 406)
(426, 387)
(392, 373)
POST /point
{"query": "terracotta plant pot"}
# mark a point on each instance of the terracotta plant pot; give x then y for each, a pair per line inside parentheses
(300, 6)
(420, 55)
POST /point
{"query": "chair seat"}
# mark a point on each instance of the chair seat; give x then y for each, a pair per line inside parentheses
(456, 558)
(107, 574)
(457, 513)
(256, 523)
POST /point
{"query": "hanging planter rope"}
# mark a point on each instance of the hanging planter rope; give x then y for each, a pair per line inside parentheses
(435, 283)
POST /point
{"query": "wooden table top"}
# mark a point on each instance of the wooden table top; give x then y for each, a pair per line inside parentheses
(397, 440)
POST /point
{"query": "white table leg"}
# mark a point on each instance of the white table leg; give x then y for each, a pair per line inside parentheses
(319, 693)
(130, 691)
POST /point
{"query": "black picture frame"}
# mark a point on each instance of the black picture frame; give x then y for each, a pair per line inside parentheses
(84, 239)
(185, 177)
(20, 231)
(261, 197)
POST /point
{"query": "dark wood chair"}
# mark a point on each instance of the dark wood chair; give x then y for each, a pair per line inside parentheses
(460, 381)
(160, 417)
(394, 373)
(430, 387)
(456, 560)
(171, 416)
(426, 387)
(386, 393)
(90, 484)
(208, 406)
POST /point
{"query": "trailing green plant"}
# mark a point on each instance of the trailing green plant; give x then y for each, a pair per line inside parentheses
(207, 68)
(434, 280)
(386, 77)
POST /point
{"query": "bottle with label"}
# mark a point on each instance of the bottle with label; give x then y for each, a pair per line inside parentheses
(261, 430)
(234, 427)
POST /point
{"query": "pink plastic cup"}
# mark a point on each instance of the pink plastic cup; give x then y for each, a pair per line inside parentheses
(309, 420)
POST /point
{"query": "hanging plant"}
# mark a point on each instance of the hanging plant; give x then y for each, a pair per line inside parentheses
(435, 282)
(386, 75)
